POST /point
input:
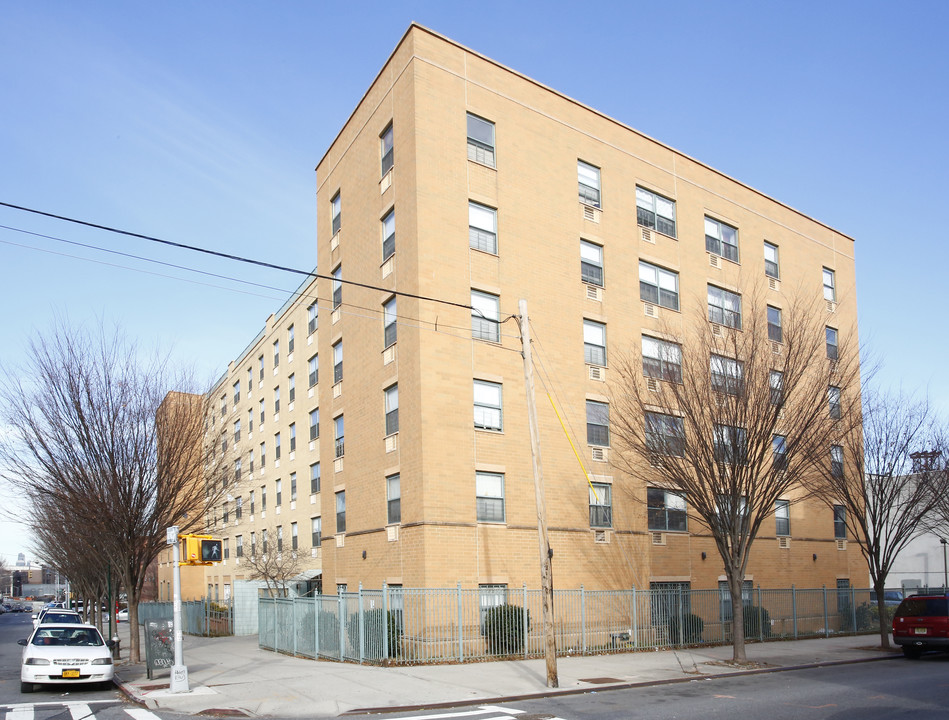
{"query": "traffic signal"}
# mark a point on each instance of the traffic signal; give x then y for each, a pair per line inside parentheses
(210, 550)
(200, 550)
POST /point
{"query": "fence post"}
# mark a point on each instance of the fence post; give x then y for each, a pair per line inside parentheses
(635, 623)
(340, 613)
(583, 620)
(524, 616)
(794, 609)
(293, 618)
(826, 620)
(317, 605)
(853, 609)
(361, 625)
(385, 620)
(461, 641)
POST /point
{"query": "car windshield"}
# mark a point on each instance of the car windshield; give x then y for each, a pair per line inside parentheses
(59, 618)
(68, 637)
(923, 607)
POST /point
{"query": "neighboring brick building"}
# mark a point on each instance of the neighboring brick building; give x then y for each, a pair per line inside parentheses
(499, 189)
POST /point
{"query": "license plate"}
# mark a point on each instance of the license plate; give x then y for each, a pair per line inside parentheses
(75, 673)
(921, 631)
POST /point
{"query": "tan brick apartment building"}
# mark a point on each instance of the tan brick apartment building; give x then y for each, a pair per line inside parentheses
(459, 180)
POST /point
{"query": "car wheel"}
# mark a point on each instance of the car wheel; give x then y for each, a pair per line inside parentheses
(912, 653)
(26, 687)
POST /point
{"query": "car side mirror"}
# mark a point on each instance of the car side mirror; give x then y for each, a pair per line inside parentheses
(21, 642)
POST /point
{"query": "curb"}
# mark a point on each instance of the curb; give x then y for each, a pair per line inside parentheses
(604, 688)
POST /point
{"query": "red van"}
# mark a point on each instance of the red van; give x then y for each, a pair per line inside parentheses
(921, 623)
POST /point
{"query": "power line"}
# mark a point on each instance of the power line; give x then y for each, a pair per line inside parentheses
(229, 256)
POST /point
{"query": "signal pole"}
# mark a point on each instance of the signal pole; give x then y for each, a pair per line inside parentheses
(179, 671)
(546, 553)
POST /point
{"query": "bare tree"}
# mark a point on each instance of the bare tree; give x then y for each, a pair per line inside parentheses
(887, 481)
(273, 563)
(725, 408)
(90, 434)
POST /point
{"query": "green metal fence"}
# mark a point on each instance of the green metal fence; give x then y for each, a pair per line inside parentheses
(198, 617)
(405, 626)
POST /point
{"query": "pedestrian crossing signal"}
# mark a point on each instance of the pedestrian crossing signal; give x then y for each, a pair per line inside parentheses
(200, 550)
(211, 551)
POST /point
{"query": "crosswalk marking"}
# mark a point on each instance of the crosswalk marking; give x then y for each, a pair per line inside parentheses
(141, 714)
(21, 713)
(505, 714)
(79, 711)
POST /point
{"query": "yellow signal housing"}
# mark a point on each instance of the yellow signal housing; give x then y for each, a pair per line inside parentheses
(200, 550)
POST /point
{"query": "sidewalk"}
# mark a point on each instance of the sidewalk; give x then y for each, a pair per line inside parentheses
(232, 676)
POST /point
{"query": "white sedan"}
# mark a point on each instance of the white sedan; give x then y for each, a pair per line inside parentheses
(65, 654)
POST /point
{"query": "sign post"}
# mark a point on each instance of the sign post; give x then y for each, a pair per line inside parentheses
(179, 671)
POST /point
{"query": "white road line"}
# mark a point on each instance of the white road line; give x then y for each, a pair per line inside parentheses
(141, 714)
(506, 714)
(79, 711)
(21, 713)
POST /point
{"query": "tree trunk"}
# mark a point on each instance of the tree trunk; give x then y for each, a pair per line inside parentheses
(885, 628)
(738, 619)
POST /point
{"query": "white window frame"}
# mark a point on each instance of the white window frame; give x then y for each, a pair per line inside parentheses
(336, 205)
(601, 505)
(482, 228)
(721, 239)
(658, 206)
(591, 263)
(489, 496)
(658, 285)
(662, 359)
(481, 144)
(393, 499)
(721, 307)
(588, 181)
(488, 406)
(387, 150)
(594, 343)
(388, 235)
(390, 332)
(485, 316)
(392, 409)
(830, 284)
(772, 266)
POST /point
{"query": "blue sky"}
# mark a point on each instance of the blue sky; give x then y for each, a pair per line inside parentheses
(202, 123)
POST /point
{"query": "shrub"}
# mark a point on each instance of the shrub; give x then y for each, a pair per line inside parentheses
(504, 630)
(692, 628)
(372, 628)
(757, 622)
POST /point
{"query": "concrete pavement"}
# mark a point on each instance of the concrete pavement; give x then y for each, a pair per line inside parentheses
(232, 676)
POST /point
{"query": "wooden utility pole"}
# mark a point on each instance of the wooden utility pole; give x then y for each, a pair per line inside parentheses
(546, 554)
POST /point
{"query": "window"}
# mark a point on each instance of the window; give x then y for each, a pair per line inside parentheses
(830, 288)
(276, 400)
(316, 531)
(491, 596)
(239, 508)
(776, 381)
(237, 431)
(731, 444)
(237, 392)
(252, 503)
(487, 406)
(312, 319)
(340, 446)
(341, 511)
(278, 487)
(261, 406)
(250, 380)
(591, 263)
(482, 228)
(227, 548)
(390, 326)
(662, 360)
(833, 402)
(840, 522)
(665, 434)
(392, 409)
(598, 423)
(224, 514)
(223, 440)
(666, 510)
(489, 491)
(237, 472)
(779, 452)
(294, 541)
(669, 602)
(276, 353)
(837, 460)
(388, 235)
(292, 383)
(337, 287)
(725, 598)
(731, 513)
(290, 340)
(727, 375)
(276, 442)
(393, 499)
(314, 424)
(251, 456)
(223, 406)
(260, 367)
(388, 157)
(313, 370)
(656, 212)
(782, 518)
(480, 140)
(250, 420)
(775, 331)
(263, 498)
(263, 455)
(832, 349)
(338, 362)
(658, 286)
(263, 541)
(485, 317)
(314, 478)
(588, 178)
(724, 307)
(279, 538)
(293, 487)
(601, 505)
(721, 239)
(336, 206)
(594, 343)
(771, 268)
(239, 541)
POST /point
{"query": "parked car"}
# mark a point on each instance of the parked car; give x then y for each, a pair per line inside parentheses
(65, 654)
(890, 597)
(122, 615)
(921, 623)
(54, 615)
